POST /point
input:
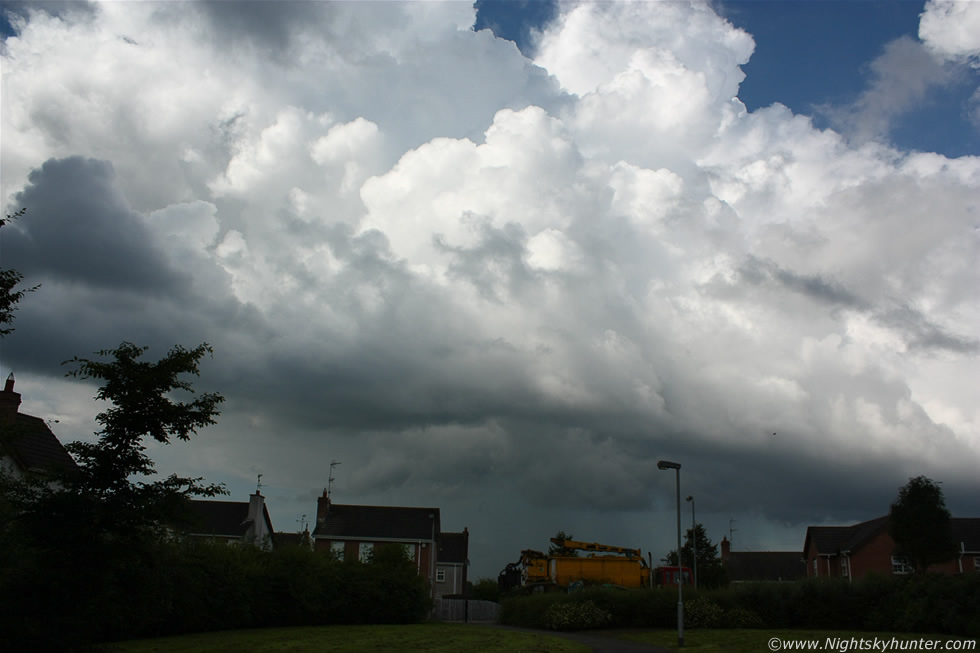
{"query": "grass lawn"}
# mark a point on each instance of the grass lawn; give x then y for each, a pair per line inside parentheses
(757, 641)
(437, 637)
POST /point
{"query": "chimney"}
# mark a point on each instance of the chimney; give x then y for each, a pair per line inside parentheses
(255, 504)
(726, 548)
(322, 508)
(9, 402)
(256, 517)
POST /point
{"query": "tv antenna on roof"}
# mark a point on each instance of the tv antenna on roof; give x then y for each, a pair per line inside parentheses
(302, 522)
(731, 531)
(333, 464)
(258, 484)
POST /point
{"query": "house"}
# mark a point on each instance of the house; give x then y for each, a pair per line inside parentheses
(352, 532)
(27, 444)
(856, 550)
(747, 566)
(298, 540)
(232, 521)
(452, 560)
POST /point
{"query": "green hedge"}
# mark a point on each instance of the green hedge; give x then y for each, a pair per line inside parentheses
(629, 608)
(931, 604)
(53, 600)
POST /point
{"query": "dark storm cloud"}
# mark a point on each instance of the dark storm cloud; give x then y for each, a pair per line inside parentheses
(79, 229)
(922, 334)
(407, 364)
(62, 320)
(269, 25)
(498, 258)
(761, 272)
(105, 277)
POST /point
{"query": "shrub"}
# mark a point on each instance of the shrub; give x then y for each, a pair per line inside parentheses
(742, 618)
(628, 608)
(702, 613)
(527, 611)
(576, 615)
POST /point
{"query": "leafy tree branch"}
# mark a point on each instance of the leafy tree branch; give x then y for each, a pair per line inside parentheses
(9, 298)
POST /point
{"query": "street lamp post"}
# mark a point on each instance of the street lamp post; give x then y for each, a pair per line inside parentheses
(666, 464)
(694, 540)
(432, 557)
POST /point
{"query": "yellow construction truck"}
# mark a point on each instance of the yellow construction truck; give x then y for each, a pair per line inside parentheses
(603, 565)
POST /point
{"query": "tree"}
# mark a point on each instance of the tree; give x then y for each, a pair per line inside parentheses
(561, 550)
(921, 525)
(485, 589)
(103, 497)
(711, 571)
(83, 550)
(141, 408)
(8, 281)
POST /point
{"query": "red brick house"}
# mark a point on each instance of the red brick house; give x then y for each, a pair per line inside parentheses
(27, 444)
(352, 532)
(854, 551)
(755, 566)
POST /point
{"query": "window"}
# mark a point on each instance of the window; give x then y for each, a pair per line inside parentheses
(409, 551)
(901, 565)
(845, 567)
(337, 549)
(440, 575)
(366, 549)
(976, 563)
(816, 572)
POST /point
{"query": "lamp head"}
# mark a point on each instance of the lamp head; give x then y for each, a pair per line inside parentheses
(666, 464)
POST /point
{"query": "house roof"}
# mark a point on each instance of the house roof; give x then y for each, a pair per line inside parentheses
(453, 547)
(386, 522)
(33, 446)
(765, 565)
(223, 518)
(831, 540)
(967, 531)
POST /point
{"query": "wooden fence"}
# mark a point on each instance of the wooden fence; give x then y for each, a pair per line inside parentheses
(456, 610)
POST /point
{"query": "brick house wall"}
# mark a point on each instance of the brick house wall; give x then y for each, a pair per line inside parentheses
(845, 556)
(874, 557)
(818, 566)
(418, 551)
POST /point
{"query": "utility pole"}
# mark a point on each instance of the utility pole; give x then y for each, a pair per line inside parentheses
(664, 465)
(694, 540)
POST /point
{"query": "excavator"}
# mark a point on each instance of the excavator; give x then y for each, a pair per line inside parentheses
(604, 565)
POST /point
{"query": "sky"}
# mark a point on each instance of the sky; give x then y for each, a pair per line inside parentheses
(501, 259)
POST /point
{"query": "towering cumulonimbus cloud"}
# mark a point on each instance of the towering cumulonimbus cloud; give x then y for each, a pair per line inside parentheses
(464, 270)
